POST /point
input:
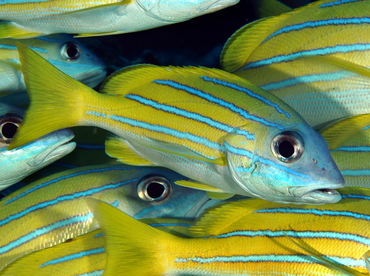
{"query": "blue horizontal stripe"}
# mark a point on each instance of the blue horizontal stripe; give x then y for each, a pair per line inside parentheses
(63, 198)
(366, 128)
(353, 149)
(45, 184)
(299, 258)
(13, 47)
(319, 23)
(248, 92)
(356, 196)
(79, 219)
(92, 273)
(319, 51)
(218, 101)
(187, 114)
(297, 234)
(364, 172)
(74, 256)
(267, 162)
(169, 224)
(336, 3)
(316, 212)
(6, 2)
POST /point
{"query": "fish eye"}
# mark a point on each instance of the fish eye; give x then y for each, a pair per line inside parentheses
(8, 127)
(154, 188)
(70, 51)
(287, 146)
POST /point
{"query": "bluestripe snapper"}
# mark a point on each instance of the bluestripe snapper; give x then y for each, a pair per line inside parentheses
(83, 255)
(315, 58)
(52, 210)
(349, 143)
(63, 51)
(22, 161)
(248, 237)
(29, 18)
(216, 128)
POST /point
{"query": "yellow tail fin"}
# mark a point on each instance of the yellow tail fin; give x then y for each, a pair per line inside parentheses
(133, 247)
(56, 98)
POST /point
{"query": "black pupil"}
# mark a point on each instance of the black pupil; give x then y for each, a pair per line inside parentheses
(72, 50)
(8, 130)
(155, 190)
(286, 149)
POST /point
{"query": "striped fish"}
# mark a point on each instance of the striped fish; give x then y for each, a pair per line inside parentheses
(226, 134)
(63, 51)
(315, 58)
(83, 255)
(30, 18)
(251, 237)
(349, 144)
(22, 161)
(52, 210)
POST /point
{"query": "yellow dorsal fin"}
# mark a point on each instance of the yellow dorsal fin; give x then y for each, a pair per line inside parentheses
(117, 147)
(338, 132)
(198, 186)
(220, 196)
(270, 8)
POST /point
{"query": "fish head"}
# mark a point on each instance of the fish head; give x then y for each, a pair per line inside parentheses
(71, 57)
(20, 162)
(177, 11)
(293, 165)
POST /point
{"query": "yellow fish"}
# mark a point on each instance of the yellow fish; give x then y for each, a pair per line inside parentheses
(349, 144)
(216, 128)
(315, 58)
(248, 237)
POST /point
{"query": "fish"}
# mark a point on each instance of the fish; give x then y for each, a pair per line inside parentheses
(54, 211)
(22, 161)
(63, 51)
(314, 58)
(25, 19)
(83, 255)
(349, 144)
(213, 136)
(246, 237)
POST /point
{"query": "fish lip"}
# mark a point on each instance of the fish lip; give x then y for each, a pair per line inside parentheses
(58, 148)
(318, 193)
(93, 77)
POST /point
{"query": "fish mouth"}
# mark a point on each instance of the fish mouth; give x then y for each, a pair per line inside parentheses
(93, 77)
(58, 147)
(318, 195)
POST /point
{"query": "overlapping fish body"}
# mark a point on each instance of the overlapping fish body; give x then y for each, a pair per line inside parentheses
(52, 210)
(251, 237)
(315, 58)
(22, 19)
(209, 125)
(22, 161)
(349, 143)
(63, 51)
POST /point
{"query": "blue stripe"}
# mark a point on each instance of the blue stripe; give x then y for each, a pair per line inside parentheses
(364, 172)
(13, 47)
(267, 162)
(169, 224)
(297, 234)
(353, 149)
(319, 23)
(79, 219)
(74, 256)
(218, 101)
(356, 196)
(316, 212)
(319, 51)
(62, 198)
(90, 146)
(45, 184)
(6, 2)
(366, 128)
(246, 91)
(187, 114)
(92, 273)
(346, 261)
(336, 3)
(98, 235)
(307, 79)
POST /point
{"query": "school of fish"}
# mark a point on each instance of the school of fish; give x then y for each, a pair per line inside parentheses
(261, 167)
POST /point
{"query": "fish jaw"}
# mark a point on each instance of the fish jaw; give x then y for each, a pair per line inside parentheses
(92, 78)
(23, 161)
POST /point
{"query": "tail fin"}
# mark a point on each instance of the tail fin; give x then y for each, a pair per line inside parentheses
(133, 247)
(55, 98)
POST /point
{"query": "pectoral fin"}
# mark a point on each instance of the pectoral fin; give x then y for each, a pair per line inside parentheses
(198, 186)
